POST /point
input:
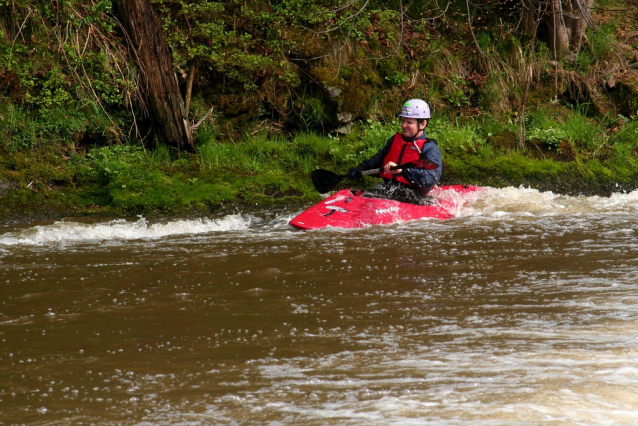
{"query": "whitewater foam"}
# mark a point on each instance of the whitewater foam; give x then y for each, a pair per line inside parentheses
(510, 201)
(64, 232)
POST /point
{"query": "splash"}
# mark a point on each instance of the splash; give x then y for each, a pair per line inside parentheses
(456, 202)
(64, 232)
(512, 201)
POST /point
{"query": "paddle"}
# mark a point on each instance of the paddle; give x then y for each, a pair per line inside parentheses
(325, 180)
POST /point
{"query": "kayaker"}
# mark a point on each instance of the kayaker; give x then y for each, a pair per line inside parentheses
(410, 184)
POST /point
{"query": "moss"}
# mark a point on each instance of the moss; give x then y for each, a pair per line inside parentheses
(504, 141)
(357, 98)
(167, 193)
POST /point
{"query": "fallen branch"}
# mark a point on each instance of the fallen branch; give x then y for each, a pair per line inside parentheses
(199, 123)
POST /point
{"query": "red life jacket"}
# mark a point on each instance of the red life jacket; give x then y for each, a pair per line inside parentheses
(402, 151)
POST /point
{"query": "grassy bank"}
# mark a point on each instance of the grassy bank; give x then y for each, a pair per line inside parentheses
(563, 151)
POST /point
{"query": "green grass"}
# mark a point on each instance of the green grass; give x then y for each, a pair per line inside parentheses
(583, 132)
(266, 170)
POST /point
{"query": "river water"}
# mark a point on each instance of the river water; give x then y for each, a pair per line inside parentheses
(522, 311)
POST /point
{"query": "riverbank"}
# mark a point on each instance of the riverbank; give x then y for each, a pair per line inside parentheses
(511, 106)
(572, 154)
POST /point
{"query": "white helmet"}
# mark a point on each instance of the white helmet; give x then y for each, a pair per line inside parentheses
(415, 108)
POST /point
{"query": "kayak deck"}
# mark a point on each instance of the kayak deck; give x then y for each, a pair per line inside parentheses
(349, 209)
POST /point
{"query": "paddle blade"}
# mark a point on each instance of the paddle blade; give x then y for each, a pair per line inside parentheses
(325, 180)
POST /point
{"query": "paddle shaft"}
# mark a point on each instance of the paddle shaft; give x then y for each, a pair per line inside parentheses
(376, 171)
(325, 180)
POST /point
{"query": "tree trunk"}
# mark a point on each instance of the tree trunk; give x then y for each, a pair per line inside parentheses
(567, 24)
(530, 17)
(159, 81)
(580, 25)
(566, 20)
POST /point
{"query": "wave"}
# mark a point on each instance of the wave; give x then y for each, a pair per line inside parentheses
(63, 232)
(531, 202)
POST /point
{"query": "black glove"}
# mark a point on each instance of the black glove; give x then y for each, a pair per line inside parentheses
(354, 173)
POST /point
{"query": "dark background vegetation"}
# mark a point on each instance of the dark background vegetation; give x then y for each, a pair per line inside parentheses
(295, 85)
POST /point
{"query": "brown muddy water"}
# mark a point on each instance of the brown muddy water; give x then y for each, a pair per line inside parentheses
(522, 311)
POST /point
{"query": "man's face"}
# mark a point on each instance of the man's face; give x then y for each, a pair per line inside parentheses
(411, 127)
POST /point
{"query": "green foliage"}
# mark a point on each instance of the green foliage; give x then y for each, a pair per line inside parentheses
(45, 90)
(457, 138)
(267, 156)
(160, 156)
(602, 42)
(627, 135)
(258, 58)
(582, 131)
(26, 129)
(119, 161)
(490, 126)
(551, 136)
(397, 78)
(248, 49)
(601, 47)
(64, 74)
(380, 131)
(623, 162)
(458, 94)
(277, 60)
(312, 112)
(542, 127)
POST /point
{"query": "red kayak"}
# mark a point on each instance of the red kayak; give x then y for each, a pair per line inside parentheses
(348, 209)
